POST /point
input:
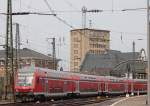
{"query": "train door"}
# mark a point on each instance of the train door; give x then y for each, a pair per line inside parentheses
(106, 87)
(129, 87)
(99, 88)
(132, 87)
(102, 87)
(46, 86)
(126, 87)
(65, 86)
(77, 87)
(43, 84)
(73, 86)
(69, 86)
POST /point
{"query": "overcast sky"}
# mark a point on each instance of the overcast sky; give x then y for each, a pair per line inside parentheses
(131, 25)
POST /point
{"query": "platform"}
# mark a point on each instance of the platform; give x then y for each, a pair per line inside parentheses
(131, 101)
(5, 102)
(123, 101)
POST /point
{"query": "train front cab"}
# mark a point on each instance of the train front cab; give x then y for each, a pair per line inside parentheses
(24, 83)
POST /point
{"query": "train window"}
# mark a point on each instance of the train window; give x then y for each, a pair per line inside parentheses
(37, 81)
(65, 83)
(105, 86)
(42, 81)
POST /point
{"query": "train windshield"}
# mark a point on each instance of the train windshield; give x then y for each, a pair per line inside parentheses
(25, 77)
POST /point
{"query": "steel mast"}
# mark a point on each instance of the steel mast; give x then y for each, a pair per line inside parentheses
(148, 53)
(9, 74)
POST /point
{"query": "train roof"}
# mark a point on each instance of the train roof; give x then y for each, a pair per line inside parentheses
(70, 75)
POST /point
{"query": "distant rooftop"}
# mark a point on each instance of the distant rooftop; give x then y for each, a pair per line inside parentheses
(92, 30)
(108, 60)
(28, 53)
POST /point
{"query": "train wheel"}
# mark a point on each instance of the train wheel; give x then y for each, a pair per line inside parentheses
(42, 98)
(69, 95)
(23, 99)
(77, 95)
(99, 94)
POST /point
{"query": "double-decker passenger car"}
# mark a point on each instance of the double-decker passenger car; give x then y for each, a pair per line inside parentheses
(39, 83)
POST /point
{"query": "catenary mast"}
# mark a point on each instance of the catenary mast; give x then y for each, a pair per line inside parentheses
(9, 69)
(148, 52)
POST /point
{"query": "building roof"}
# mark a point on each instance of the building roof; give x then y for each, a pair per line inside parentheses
(28, 53)
(91, 30)
(106, 61)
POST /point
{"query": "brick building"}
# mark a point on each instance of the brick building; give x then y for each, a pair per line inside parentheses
(28, 57)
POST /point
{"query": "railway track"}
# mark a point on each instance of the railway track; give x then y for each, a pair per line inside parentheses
(68, 102)
(79, 102)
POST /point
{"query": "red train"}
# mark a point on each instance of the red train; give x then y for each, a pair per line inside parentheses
(40, 83)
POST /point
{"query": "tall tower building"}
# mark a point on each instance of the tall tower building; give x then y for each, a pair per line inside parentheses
(84, 41)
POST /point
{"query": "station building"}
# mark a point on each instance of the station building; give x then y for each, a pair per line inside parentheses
(28, 57)
(115, 63)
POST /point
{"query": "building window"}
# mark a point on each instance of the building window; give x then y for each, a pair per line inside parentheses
(76, 69)
(91, 51)
(75, 45)
(75, 51)
(28, 62)
(75, 63)
(2, 63)
(76, 39)
(74, 33)
(96, 51)
(91, 46)
(99, 52)
(97, 39)
(75, 57)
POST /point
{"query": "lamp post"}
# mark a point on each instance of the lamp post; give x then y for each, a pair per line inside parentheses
(148, 54)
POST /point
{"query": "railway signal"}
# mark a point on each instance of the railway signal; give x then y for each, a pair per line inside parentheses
(54, 52)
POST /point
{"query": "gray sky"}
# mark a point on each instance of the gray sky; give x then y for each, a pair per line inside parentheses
(131, 25)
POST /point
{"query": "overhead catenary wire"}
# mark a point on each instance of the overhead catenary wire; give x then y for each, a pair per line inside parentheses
(53, 12)
(62, 20)
(27, 13)
(25, 42)
(74, 11)
(113, 31)
(70, 4)
(65, 22)
(127, 33)
(131, 9)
